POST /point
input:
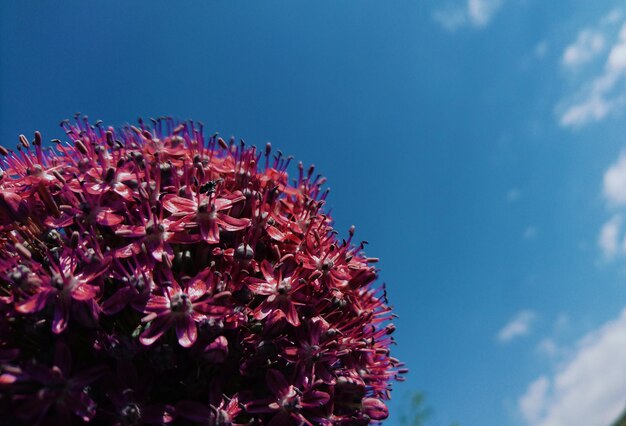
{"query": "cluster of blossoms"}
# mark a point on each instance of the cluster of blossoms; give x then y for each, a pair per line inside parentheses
(150, 275)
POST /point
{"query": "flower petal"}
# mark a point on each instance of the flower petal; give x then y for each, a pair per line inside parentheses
(277, 383)
(117, 301)
(186, 331)
(106, 217)
(375, 408)
(34, 303)
(61, 315)
(229, 223)
(156, 329)
(84, 292)
(179, 205)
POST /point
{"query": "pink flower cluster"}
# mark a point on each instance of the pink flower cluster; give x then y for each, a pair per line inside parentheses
(149, 275)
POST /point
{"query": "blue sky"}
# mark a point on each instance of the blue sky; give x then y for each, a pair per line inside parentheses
(478, 145)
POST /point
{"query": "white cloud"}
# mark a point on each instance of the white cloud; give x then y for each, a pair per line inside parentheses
(609, 236)
(614, 182)
(532, 404)
(477, 13)
(480, 12)
(588, 44)
(548, 347)
(450, 18)
(612, 17)
(518, 326)
(590, 387)
(598, 99)
(595, 108)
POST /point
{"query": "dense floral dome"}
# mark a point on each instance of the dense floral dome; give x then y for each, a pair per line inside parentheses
(149, 275)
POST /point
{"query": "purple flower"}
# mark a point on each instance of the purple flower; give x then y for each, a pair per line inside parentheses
(68, 287)
(277, 289)
(211, 282)
(205, 212)
(288, 403)
(182, 308)
(57, 392)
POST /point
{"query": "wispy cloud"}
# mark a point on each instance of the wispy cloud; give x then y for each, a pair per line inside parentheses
(548, 347)
(481, 11)
(608, 240)
(587, 46)
(519, 325)
(614, 192)
(590, 386)
(614, 182)
(475, 13)
(603, 95)
(532, 404)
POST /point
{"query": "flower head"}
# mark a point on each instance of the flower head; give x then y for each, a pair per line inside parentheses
(154, 252)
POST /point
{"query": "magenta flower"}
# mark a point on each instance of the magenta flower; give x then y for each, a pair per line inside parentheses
(154, 236)
(278, 290)
(213, 285)
(47, 393)
(181, 308)
(205, 212)
(68, 288)
(288, 404)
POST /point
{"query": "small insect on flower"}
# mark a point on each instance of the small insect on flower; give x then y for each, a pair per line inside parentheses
(152, 275)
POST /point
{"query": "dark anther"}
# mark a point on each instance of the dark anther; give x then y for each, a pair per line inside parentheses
(327, 265)
(52, 236)
(339, 303)
(80, 146)
(24, 141)
(166, 169)
(83, 165)
(19, 275)
(180, 303)
(256, 327)
(75, 239)
(91, 256)
(110, 140)
(57, 282)
(244, 252)
(110, 175)
(138, 283)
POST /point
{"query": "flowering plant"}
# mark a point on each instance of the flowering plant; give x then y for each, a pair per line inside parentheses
(149, 275)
